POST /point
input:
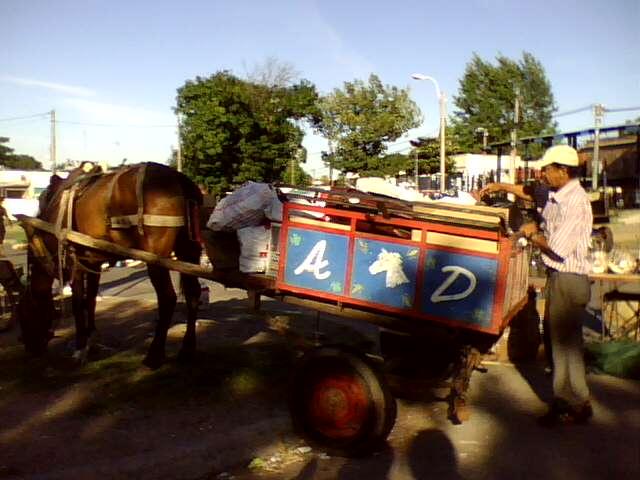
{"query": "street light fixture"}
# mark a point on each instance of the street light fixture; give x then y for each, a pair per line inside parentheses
(442, 101)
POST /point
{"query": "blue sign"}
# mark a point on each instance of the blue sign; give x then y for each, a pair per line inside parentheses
(459, 287)
(384, 273)
(316, 260)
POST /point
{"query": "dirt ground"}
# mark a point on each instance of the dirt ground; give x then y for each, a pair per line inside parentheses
(224, 416)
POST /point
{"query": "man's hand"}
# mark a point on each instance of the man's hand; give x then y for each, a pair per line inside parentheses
(529, 229)
(490, 188)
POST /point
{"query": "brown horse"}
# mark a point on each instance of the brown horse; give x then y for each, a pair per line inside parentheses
(149, 207)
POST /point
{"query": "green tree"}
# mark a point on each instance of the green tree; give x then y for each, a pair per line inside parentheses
(12, 161)
(235, 130)
(428, 152)
(5, 151)
(389, 164)
(486, 99)
(295, 175)
(360, 119)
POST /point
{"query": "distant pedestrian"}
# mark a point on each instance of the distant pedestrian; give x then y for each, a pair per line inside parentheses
(3, 215)
(566, 230)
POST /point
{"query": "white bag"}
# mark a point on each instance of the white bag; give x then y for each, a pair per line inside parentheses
(245, 207)
(254, 248)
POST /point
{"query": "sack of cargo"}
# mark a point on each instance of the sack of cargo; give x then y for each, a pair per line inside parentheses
(254, 248)
(245, 207)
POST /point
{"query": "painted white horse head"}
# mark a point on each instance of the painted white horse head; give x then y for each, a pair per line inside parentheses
(390, 262)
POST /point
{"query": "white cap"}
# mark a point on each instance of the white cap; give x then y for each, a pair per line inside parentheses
(560, 154)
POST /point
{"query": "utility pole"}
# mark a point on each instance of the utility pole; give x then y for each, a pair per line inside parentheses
(514, 134)
(330, 163)
(52, 151)
(179, 149)
(443, 125)
(293, 168)
(598, 114)
(417, 176)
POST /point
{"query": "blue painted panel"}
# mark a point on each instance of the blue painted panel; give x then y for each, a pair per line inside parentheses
(384, 273)
(316, 260)
(459, 287)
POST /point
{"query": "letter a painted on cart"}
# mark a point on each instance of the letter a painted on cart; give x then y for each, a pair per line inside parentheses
(315, 262)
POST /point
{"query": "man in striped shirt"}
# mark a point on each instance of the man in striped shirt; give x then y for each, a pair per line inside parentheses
(566, 230)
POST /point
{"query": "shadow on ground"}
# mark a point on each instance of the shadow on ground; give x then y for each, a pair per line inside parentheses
(113, 418)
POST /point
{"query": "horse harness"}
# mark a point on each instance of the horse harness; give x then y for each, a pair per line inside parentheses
(74, 189)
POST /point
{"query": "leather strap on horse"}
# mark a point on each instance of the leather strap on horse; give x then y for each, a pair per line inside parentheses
(112, 185)
(42, 254)
(126, 221)
(139, 197)
(65, 216)
(139, 219)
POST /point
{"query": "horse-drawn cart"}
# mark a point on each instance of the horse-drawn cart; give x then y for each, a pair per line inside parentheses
(447, 276)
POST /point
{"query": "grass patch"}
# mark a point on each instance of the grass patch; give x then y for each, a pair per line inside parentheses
(226, 374)
(15, 234)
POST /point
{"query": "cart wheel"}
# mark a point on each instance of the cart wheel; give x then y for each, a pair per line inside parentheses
(339, 402)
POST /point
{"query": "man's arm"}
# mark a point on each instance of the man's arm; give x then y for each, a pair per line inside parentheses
(517, 190)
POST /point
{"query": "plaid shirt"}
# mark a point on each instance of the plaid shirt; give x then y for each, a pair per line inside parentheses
(568, 224)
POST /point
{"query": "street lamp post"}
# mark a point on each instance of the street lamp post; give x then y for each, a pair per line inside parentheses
(485, 134)
(442, 104)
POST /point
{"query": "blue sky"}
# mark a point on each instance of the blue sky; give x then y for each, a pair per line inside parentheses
(110, 68)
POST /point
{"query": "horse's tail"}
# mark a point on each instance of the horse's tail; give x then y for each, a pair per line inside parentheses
(190, 189)
(188, 247)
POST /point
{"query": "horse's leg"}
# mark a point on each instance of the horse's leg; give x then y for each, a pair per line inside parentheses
(161, 282)
(93, 282)
(78, 305)
(188, 250)
(191, 291)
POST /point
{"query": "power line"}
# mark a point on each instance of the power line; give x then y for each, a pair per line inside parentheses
(626, 109)
(589, 107)
(571, 112)
(68, 122)
(86, 124)
(10, 119)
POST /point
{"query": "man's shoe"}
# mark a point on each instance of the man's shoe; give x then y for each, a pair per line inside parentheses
(554, 418)
(561, 413)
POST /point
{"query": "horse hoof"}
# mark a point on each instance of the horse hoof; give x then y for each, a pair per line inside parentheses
(153, 362)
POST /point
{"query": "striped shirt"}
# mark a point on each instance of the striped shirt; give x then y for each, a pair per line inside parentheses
(568, 224)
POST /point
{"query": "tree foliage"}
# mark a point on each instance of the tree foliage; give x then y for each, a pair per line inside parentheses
(428, 152)
(12, 161)
(360, 119)
(235, 130)
(486, 99)
(295, 175)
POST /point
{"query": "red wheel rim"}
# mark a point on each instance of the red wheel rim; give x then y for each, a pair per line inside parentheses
(338, 406)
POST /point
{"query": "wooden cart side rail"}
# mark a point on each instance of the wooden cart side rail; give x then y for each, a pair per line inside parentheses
(414, 221)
